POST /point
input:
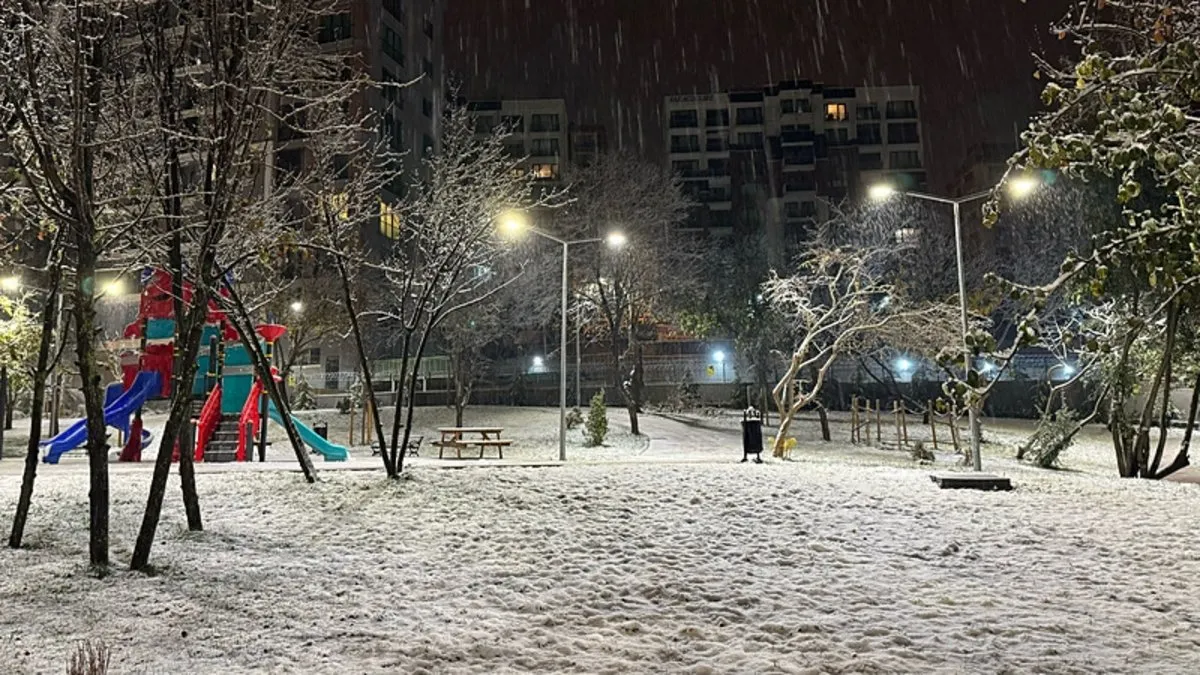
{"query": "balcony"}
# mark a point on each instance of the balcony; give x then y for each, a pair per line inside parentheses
(797, 137)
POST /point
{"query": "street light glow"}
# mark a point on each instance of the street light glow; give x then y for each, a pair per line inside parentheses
(112, 288)
(513, 224)
(10, 284)
(1022, 186)
(616, 239)
(719, 356)
(881, 192)
(297, 307)
(538, 362)
(904, 365)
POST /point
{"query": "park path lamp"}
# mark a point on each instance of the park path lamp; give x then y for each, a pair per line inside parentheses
(10, 284)
(1018, 188)
(297, 307)
(513, 224)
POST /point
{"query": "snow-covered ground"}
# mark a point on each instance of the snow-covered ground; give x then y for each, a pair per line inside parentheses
(844, 560)
(534, 432)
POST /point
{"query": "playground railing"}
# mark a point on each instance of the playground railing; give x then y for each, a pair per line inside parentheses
(210, 417)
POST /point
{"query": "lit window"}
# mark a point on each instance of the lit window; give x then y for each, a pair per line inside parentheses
(836, 112)
(389, 221)
(545, 171)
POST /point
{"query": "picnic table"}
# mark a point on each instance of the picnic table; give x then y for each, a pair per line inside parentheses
(462, 438)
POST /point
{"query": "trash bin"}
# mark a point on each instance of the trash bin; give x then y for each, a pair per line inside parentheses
(322, 430)
(752, 437)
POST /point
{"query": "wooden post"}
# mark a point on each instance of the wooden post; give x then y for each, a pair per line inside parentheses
(896, 419)
(854, 419)
(821, 412)
(3, 405)
(878, 424)
(904, 421)
(932, 423)
(350, 442)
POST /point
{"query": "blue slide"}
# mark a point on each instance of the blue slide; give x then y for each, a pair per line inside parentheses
(332, 452)
(116, 414)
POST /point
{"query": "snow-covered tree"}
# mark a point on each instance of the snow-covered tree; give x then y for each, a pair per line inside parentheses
(647, 278)
(836, 302)
(1122, 114)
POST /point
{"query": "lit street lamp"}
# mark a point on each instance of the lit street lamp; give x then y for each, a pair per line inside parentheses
(297, 307)
(1018, 188)
(514, 224)
(10, 284)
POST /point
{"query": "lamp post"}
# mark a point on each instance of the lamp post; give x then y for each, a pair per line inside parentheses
(513, 224)
(1020, 187)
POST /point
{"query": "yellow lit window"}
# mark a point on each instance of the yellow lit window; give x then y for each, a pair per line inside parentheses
(389, 221)
(545, 171)
(339, 204)
(836, 112)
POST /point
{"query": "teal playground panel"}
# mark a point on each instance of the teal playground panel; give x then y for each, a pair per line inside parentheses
(239, 377)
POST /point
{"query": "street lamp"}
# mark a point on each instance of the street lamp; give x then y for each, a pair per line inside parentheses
(10, 284)
(1019, 187)
(513, 224)
(297, 307)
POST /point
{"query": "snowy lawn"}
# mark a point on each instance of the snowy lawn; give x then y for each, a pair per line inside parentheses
(818, 565)
(534, 432)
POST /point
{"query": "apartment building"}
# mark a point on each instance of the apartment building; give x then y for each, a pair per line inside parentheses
(397, 42)
(538, 131)
(588, 142)
(771, 160)
(984, 165)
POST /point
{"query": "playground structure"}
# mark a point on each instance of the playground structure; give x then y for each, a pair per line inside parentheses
(864, 414)
(232, 400)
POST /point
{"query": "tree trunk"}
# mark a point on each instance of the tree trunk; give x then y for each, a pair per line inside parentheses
(1182, 460)
(1168, 362)
(410, 399)
(364, 364)
(41, 374)
(180, 403)
(240, 319)
(402, 398)
(184, 368)
(93, 402)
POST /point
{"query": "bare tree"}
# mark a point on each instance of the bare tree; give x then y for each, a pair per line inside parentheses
(646, 279)
(58, 64)
(442, 251)
(530, 300)
(226, 80)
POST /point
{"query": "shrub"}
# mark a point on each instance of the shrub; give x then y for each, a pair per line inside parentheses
(597, 421)
(687, 393)
(89, 658)
(303, 396)
(1054, 435)
(574, 418)
(343, 405)
(920, 453)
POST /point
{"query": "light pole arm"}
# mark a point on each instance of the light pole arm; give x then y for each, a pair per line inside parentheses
(946, 200)
(564, 242)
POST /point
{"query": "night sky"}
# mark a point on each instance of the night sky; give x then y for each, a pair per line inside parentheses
(614, 60)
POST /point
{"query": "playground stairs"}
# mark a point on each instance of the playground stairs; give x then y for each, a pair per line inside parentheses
(222, 447)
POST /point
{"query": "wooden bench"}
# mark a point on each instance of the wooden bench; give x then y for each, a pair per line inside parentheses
(454, 438)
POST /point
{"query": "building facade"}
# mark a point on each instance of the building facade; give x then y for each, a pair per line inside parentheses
(771, 160)
(538, 132)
